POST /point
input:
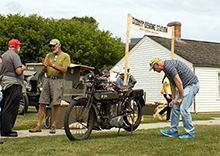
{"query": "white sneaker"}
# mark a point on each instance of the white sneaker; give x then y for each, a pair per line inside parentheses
(159, 117)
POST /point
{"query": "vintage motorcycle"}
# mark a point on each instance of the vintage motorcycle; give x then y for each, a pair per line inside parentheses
(103, 109)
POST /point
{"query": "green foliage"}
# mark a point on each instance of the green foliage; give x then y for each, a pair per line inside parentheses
(80, 38)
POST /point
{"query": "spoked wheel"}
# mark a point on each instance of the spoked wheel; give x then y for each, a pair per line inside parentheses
(78, 120)
(132, 119)
(23, 105)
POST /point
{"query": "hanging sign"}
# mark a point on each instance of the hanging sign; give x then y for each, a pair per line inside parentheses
(151, 28)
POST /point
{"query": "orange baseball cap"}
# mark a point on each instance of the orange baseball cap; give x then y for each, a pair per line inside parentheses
(14, 42)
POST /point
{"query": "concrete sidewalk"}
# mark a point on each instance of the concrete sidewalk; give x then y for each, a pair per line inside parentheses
(45, 132)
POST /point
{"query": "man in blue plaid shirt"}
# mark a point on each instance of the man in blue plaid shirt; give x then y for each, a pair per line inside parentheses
(182, 78)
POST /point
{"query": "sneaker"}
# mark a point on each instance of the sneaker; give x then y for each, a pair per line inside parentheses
(159, 117)
(35, 129)
(168, 133)
(52, 130)
(187, 135)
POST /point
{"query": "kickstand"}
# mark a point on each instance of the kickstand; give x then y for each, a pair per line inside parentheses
(132, 127)
(118, 131)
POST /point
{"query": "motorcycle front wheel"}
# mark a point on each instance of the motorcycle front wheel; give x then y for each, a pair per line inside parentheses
(78, 120)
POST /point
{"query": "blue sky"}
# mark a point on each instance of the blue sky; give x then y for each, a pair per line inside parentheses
(199, 18)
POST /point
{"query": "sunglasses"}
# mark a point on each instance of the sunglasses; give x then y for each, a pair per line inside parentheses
(52, 46)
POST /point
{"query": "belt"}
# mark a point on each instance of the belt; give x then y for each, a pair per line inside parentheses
(53, 77)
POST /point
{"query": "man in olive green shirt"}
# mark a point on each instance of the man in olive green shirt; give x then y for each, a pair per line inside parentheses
(55, 65)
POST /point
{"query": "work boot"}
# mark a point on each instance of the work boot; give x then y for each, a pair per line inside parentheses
(35, 129)
(52, 130)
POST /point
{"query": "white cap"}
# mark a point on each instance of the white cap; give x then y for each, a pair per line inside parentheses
(116, 69)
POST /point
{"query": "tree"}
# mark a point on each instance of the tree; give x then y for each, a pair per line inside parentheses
(80, 37)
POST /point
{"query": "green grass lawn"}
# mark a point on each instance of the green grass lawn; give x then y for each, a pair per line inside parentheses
(142, 143)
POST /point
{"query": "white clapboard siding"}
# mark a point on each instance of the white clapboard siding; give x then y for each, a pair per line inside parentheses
(207, 100)
(138, 62)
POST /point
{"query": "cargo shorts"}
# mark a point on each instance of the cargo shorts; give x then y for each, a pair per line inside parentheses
(52, 92)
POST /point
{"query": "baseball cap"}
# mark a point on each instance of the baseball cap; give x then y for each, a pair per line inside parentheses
(122, 72)
(54, 42)
(105, 71)
(153, 61)
(14, 42)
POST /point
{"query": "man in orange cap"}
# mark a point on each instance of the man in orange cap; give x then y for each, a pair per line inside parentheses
(12, 82)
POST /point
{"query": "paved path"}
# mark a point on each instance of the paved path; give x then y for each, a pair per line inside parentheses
(45, 132)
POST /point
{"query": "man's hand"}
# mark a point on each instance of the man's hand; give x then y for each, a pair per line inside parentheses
(171, 103)
(179, 101)
(23, 67)
(20, 69)
(45, 62)
(49, 62)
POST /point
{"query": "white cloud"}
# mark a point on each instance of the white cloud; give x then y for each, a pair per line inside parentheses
(13, 6)
(199, 18)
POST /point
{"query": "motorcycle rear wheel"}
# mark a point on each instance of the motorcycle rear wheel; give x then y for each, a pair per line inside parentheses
(78, 120)
(133, 115)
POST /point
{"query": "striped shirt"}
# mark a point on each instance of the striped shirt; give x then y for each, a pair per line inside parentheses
(173, 67)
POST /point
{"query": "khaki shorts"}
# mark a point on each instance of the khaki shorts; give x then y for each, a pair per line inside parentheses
(52, 92)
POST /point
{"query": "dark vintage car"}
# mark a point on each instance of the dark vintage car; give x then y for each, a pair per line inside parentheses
(35, 79)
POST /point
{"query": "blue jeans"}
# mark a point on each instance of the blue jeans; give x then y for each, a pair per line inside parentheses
(189, 94)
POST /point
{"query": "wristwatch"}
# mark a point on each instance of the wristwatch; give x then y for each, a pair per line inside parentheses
(53, 65)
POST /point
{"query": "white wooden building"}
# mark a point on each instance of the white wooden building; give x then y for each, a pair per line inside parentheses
(202, 57)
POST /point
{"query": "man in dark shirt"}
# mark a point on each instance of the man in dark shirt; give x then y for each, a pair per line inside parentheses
(12, 81)
(182, 78)
(131, 80)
